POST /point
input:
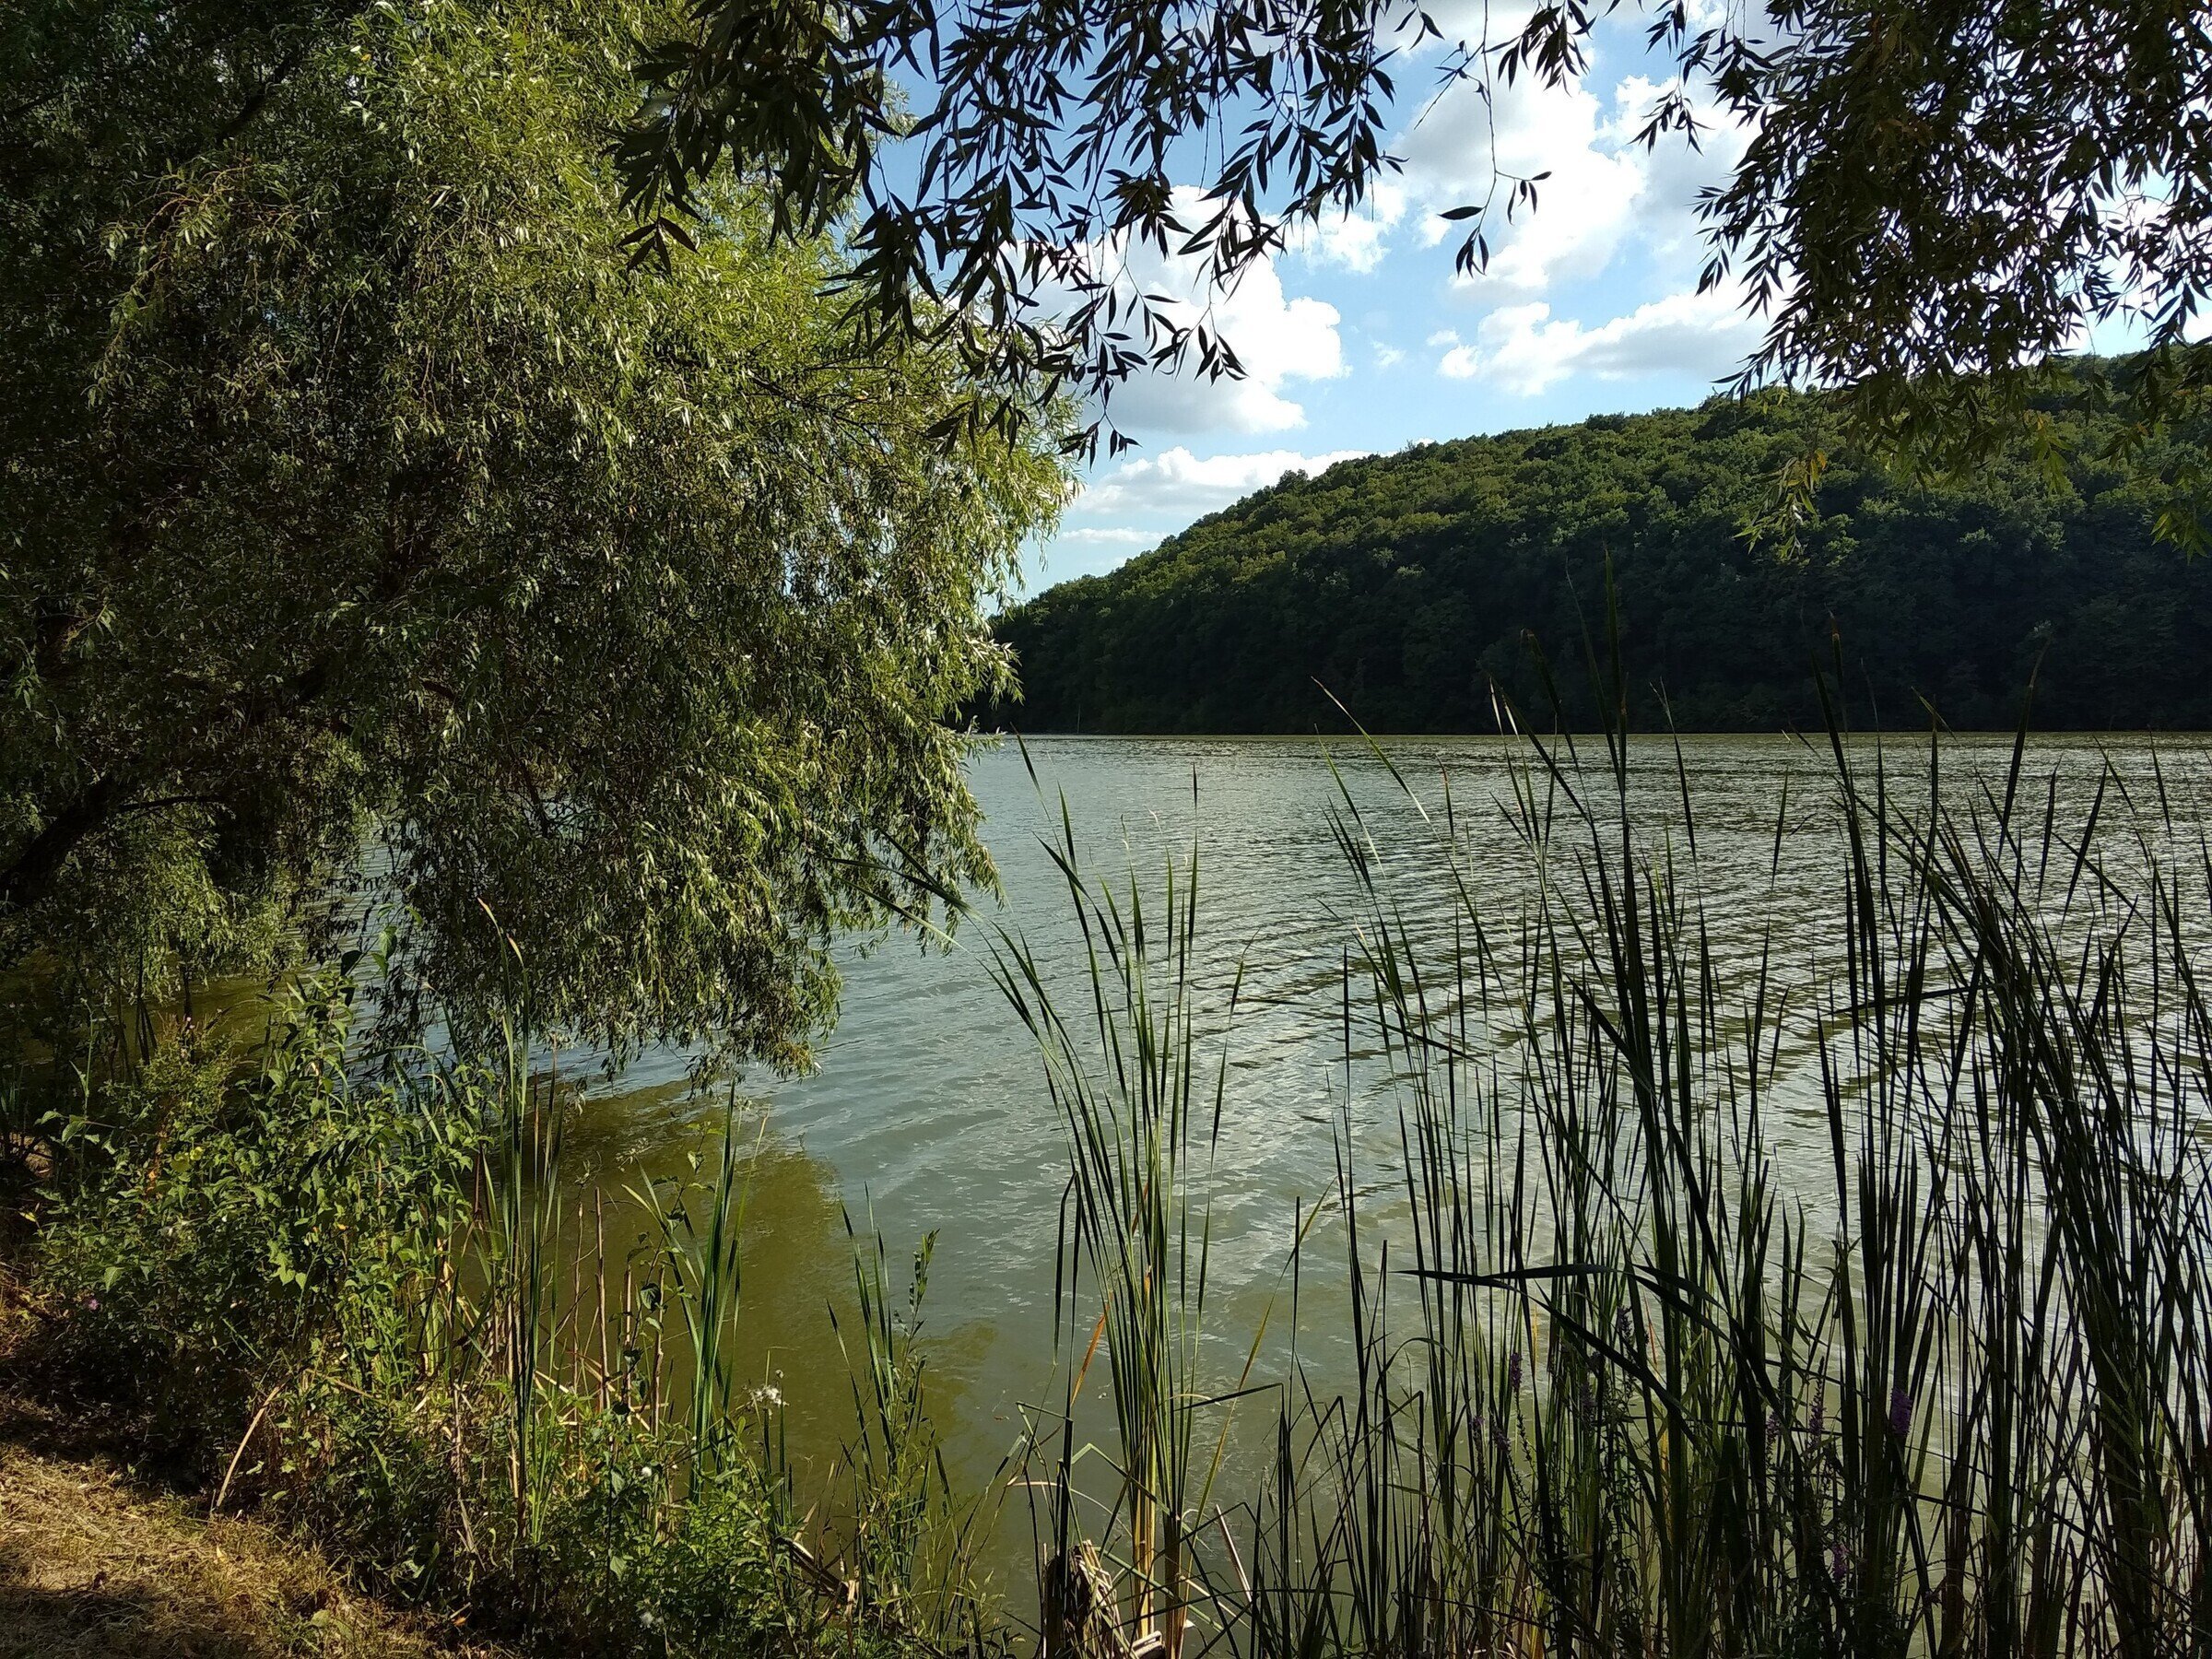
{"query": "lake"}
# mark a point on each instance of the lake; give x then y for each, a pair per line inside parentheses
(928, 1111)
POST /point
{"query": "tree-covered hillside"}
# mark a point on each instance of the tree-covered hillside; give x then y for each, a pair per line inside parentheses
(1407, 584)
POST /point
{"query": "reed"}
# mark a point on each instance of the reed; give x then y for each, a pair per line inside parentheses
(1143, 1118)
(1616, 1385)
(912, 1546)
(700, 1262)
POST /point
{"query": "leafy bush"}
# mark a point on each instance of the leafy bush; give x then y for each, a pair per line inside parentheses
(222, 1227)
(329, 1288)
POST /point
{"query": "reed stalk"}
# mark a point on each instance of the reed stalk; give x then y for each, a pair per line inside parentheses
(1619, 1382)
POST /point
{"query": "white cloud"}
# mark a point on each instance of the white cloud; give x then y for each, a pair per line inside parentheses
(1278, 338)
(1100, 535)
(1524, 349)
(1601, 189)
(1179, 485)
(1458, 363)
(1356, 241)
(1584, 206)
(1388, 356)
(1161, 493)
(1674, 172)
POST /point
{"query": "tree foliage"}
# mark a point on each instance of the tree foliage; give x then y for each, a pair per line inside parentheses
(1410, 585)
(1935, 198)
(354, 486)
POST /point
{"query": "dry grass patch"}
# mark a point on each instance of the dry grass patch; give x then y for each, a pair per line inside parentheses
(91, 1566)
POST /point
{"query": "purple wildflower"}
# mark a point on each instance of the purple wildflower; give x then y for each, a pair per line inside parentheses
(1901, 1413)
(1839, 1560)
(1513, 1373)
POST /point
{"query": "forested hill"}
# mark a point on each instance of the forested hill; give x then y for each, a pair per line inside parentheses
(1407, 583)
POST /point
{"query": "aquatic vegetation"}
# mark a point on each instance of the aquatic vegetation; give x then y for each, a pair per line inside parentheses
(1616, 1385)
(1140, 1113)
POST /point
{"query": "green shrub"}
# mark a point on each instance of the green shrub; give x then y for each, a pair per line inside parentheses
(220, 1227)
(336, 1290)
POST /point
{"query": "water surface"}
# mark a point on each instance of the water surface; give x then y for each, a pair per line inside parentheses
(928, 1113)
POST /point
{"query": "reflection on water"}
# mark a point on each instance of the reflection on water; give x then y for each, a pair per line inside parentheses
(928, 1110)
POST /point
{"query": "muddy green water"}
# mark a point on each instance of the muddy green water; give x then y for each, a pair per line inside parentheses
(928, 1113)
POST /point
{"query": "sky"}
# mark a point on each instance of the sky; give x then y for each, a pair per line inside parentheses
(1362, 339)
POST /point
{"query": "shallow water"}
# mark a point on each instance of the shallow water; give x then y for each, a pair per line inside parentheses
(929, 1112)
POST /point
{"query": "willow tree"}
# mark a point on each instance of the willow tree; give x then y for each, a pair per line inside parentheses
(365, 517)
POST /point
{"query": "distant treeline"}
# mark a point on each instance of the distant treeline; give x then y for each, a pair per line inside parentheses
(1410, 585)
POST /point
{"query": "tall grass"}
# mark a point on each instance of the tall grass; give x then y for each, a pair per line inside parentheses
(914, 1544)
(1620, 1384)
(1143, 1119)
